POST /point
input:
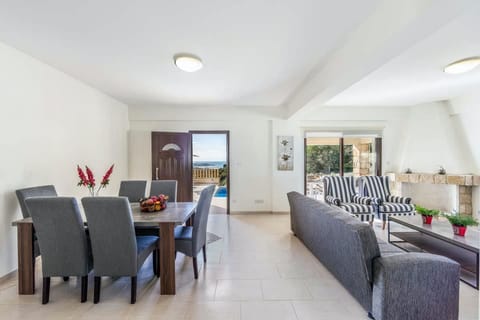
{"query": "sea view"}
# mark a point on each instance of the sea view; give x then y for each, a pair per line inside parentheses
(209, 164)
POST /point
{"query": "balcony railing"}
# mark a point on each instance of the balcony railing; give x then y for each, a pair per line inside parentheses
(206, 175)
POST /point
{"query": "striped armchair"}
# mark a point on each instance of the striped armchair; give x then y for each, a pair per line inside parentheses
(340, 192)
(378, 190)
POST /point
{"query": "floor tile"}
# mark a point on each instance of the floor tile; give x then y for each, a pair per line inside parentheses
(278, 310)
(285, 289)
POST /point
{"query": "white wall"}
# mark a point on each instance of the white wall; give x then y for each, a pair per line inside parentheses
(433, 138)
(466, 111)
(49, 123)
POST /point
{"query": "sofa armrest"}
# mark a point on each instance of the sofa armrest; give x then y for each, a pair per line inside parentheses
(398, 199)
(376, 201)
(411, 286)
(332, 200)
(361, 200)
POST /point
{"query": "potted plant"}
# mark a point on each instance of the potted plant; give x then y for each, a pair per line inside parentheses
(427, 214)
(460, 222)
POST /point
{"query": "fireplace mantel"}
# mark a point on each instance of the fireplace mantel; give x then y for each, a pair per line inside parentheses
(463, 183)
(435, 178)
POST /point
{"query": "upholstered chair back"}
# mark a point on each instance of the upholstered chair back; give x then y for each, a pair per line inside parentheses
(112, 233)
(166, 187)
(375, 187)
(340, 187)
(134, 190)
(200, 221)
(61, 235)
(40, 191)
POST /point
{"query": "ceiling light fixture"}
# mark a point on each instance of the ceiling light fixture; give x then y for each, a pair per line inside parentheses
(462, 66)
(188, 62)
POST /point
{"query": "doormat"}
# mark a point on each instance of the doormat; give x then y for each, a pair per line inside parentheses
(212, 237)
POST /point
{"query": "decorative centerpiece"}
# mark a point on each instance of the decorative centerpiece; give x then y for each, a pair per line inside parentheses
(427, 214)
(154, 203)
(460, 222)
(88, 180)
(442, 170)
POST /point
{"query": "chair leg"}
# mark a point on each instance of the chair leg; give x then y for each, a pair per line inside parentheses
(204, 250)
(66, 279)
(46, 290)
(96, 289)
(371, 223)
(384, 223)
(84, 289)
(195, 267)
(133, 294)
(158, 263)
(154, 260)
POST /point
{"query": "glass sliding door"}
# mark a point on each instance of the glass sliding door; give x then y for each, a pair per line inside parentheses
(359, 156)
(330, 154)
(322, 157)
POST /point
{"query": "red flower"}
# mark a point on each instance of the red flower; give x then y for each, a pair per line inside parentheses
(91, 179)
(106, 177)
(83, 179)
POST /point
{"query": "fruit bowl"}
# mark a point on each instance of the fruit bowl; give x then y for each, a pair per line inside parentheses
(154, 203)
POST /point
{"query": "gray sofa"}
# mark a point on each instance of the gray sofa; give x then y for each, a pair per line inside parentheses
(389, 283)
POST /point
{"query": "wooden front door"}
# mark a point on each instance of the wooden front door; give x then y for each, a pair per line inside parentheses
(172, 160)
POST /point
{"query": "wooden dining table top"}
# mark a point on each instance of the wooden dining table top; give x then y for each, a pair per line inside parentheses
(175, 212)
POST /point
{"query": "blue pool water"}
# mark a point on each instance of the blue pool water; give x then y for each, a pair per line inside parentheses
(221, 192)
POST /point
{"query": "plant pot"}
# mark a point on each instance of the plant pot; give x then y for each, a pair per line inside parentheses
(427, 219)
(459, 230)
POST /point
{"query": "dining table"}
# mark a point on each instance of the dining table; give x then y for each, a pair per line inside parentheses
(176, 213)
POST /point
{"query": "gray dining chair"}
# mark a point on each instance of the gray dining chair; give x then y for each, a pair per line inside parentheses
(40, 191)
(134, 190)
(117, 252)
(62, 239)
(189, 240)
(166, 187)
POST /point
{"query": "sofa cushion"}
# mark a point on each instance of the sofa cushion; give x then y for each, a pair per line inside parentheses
(356, 208)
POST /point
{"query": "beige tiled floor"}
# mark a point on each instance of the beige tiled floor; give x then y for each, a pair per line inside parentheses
(258, 270)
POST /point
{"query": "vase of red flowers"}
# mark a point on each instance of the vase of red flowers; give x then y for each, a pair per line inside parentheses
(87, 179)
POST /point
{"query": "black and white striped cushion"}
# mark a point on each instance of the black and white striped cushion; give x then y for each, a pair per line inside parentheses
(359, 199)
(356, 208)
(398, 199)
(332, 200)
(391, 207)
(366, 216)
(341, 187)
(376, 187)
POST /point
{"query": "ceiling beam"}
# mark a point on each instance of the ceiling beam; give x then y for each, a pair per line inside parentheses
(392, 28)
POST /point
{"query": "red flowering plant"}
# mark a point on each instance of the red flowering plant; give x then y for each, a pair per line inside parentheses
(87, 179)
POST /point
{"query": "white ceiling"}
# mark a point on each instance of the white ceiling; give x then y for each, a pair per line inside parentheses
(416, 75)
(255, 52)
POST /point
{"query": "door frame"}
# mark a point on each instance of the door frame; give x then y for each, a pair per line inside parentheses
(227, 134)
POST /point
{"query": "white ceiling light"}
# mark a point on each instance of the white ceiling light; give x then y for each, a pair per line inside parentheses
(462, 66)
(188, 62)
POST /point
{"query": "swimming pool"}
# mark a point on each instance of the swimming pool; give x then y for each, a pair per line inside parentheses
(221, 192)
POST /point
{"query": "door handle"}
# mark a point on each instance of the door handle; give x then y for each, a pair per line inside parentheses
(156, 173)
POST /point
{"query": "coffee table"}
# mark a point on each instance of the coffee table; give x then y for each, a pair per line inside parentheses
(410, 234)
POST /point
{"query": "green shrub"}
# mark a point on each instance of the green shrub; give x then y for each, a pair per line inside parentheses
(462, 220)
(427, 212)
